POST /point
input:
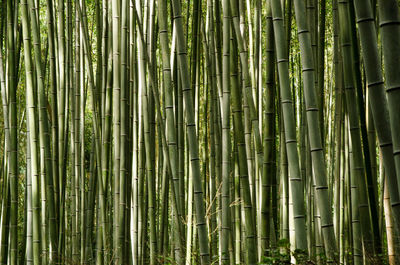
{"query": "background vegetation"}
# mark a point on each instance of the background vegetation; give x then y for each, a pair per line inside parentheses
(200, 132)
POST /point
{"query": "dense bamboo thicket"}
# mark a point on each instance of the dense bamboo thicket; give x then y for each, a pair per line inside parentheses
(199, 132)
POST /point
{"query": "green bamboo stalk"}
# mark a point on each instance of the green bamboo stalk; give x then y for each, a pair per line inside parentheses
(392, 256)
(214, 132)
(46, 165)
(361, 106)
(81, 187)
(32, 132)
(150, 168)
(377, 98)
(135, 134)
(5, 179)
(124, 128)
(170, 119)
(251, 247)
(75, 137)
(237, 248)
(95, 107)
(29, 242)
(390, 32)
(315, 139)
(192, 136)
(247, 84)
(269, 138)
(290, 129)
(226, 141)
(321, 67)
(54, 113)
(12, 157)
(61, 99)
(106, 128)
(170, 124)
(116, 46)
(359, 193)
(156, 98)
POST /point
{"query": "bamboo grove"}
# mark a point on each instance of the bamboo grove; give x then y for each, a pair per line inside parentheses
(200, 132)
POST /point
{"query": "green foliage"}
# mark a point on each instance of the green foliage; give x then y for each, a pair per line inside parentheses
(166, 260)
(282, 255)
